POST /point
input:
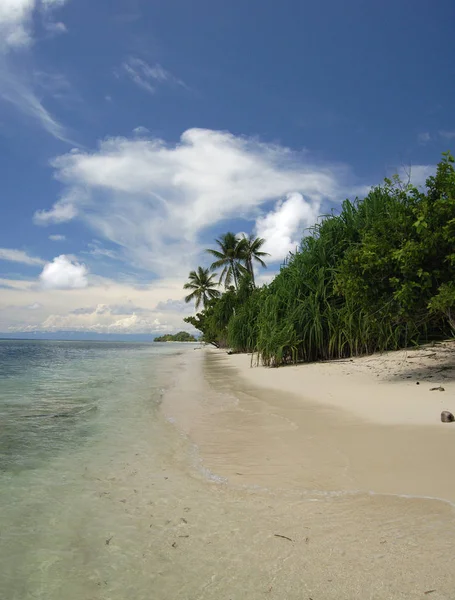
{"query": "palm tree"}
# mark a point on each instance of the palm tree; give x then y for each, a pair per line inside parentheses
(201, 282)
(251, 250)
(229, 257)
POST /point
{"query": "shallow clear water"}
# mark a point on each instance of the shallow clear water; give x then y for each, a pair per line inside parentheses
(55, 396)
(70, 413)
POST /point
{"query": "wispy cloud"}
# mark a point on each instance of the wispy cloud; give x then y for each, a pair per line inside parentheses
(57, 238)
(19, 256)
(20, 94)
(424, 138)
(448, 135)
(64, 210)
(152, 201)
(17, 84)
(148, 77)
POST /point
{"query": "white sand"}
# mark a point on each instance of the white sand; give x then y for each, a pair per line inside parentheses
(381, 388)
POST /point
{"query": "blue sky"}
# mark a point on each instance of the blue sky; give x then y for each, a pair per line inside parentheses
(134, 132)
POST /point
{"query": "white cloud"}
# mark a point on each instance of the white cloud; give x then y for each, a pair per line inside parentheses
(154, 200)
(141, 130)
(15, 90)
(16, 84)
(49, 4)
(178, 306)
(56, 27)
(148, 77)
(282, 228)
(19, 256)
(34, 306)
(57, 237)
(64, 210)
(93, 308)
(416, 174)
(449, 135)
(62, 274)
(16, 20)
(424, 138)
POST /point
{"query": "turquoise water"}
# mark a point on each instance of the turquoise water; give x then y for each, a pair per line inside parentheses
(55, 396)
(75, 417)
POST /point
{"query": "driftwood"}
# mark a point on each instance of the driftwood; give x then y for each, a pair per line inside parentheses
(283, 536)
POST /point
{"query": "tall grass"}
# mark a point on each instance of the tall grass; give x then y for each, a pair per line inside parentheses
(362, 280)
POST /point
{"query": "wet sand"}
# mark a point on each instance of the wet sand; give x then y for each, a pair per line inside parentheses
(368, 505)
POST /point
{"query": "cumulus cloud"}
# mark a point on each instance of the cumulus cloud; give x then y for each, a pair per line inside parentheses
(154, 200)
(282, 228)
(19, 256)
(148, 77)
(63, 274)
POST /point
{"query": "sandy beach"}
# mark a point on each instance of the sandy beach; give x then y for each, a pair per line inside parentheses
(391, 388)
(350, 457)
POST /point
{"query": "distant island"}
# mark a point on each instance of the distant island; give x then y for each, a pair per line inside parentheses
(181, 336)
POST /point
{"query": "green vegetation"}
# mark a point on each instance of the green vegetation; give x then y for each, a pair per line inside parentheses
(380, 275)
(181, 336)
(202, 283)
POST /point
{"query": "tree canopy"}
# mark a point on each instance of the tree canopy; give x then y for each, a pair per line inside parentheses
(379, 275)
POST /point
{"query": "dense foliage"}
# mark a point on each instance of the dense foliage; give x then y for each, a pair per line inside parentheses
(379, 275)
(181, 336)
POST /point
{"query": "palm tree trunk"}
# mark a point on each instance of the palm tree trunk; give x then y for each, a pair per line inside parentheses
(249, 268)
(234, 272)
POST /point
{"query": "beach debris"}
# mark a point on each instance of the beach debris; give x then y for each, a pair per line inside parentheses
(437, 389)
(183, 520)
(447, 417)
(285, 537)
(417, 382)
(429, 592)
(108, 540)
(174, 545)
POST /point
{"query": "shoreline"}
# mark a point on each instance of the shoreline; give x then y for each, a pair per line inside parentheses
(268, 429)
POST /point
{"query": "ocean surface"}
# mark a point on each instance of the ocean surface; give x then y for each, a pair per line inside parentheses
(68, 411)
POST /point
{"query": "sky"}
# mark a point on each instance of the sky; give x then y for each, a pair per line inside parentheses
(135, 132)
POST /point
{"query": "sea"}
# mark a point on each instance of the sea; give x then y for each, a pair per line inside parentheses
(72, 414)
